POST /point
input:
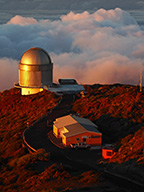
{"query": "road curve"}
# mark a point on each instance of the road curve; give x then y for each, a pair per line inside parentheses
(36, 137)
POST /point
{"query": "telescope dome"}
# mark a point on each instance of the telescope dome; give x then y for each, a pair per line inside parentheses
(35, 56)
(35, 71)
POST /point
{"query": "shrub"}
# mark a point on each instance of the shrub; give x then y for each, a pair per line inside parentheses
(126, 139)
(51, 170)
(61, 175)
(89, 177)
(42, 155)
(28, 159)
(22, 161)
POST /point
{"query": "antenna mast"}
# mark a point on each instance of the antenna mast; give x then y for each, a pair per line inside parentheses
(140, 81)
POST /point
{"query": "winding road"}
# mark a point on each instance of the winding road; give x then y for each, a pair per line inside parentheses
(37, 137)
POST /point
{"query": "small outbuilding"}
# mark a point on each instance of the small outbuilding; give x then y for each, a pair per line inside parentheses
(73, 129)
(108, 152)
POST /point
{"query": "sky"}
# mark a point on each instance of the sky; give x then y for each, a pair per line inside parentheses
(103, 46)
(71, 4)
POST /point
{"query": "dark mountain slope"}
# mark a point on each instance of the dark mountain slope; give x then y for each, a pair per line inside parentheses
(15, 111)
(118, 110)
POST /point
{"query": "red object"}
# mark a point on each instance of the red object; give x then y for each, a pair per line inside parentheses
(107, 152)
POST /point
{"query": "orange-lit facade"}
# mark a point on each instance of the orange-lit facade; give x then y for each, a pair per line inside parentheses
(108, 152)
(74, 129)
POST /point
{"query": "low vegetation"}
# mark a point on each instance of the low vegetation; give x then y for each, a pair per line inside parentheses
(15, 111)
(118, 110)
(18, 167)
(118, 101)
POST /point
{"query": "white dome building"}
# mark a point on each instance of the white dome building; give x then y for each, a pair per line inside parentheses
(35, 71)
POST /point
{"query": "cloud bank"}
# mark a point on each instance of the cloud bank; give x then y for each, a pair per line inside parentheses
(103, 47)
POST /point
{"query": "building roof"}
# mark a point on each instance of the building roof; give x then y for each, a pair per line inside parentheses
(75, 125)
(63, 121)
(35, 56)
(66, 88)
(67, 81)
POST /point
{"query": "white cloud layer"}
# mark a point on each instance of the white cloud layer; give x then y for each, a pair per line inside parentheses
(103, 47)
(8, 73)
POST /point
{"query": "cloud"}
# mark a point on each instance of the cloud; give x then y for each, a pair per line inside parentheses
(116, 15)
(111, 68)
(19, 20)
(103, 47)
(8, 73)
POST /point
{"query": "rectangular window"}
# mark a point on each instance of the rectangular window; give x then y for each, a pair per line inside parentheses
(78, 139)
(68, 140)
(109, 153)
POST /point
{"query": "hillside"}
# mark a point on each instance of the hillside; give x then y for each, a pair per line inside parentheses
(120, 101)
(19, 169)
(118, 110)
(15, 112)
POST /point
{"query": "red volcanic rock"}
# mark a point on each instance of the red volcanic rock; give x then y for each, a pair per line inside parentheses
(118, 110)
(15, 111)
(118, 101)
(132, 147)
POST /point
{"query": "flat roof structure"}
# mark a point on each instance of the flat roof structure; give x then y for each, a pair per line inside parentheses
(68, 89)
(67, 81)
(75, 125)
(73, 129)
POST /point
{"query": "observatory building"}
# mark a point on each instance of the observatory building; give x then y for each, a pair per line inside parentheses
(35, 71)
(36, 74)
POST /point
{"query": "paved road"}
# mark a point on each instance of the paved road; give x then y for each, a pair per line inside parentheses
(37, 138)
(77, 159)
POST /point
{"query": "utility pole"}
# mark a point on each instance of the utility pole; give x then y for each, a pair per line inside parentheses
(140, 81)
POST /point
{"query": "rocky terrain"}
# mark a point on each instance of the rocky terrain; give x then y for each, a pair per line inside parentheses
(118, 110)
(19, 169)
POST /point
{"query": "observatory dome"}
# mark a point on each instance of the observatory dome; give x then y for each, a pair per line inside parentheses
(35, 56)
(35, 71)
